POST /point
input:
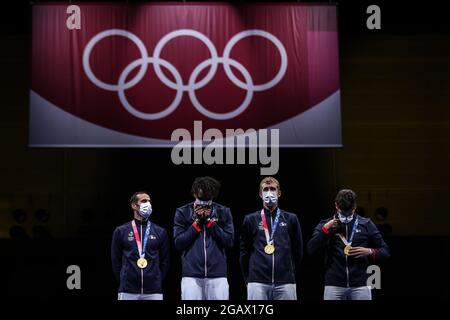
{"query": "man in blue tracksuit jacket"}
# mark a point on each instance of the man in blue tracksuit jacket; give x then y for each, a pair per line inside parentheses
(140, 253)
(351, 243)
(271, 248)
(202, 231)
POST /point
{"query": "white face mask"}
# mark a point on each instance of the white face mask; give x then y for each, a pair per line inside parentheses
(345, 219)
(145, 210)
(199, 202)
(270, 198)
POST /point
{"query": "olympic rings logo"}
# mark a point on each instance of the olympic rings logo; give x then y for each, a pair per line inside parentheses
(178, 85)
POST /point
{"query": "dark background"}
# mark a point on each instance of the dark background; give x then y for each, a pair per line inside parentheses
(395, 89)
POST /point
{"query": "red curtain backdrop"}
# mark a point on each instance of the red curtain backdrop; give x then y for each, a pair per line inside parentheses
(306, 33)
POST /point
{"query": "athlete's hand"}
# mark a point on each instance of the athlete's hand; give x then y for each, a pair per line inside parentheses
(206, 212)
(332, 225)
(360, 252)
(202, 212)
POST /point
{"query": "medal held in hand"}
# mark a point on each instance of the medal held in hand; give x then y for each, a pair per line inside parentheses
(347, 250)
(141, 262)
(270, 247)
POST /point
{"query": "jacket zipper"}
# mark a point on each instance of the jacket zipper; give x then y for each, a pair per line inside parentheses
(273, 255)
(204, 249)
(346, 258)
(142, 271)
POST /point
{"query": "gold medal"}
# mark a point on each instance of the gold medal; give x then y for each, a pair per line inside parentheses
(142, 263)
(269, 249)
(347, 249)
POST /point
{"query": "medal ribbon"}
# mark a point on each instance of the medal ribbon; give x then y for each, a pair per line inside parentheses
(138, 238)
(355, 225)
(269, 240)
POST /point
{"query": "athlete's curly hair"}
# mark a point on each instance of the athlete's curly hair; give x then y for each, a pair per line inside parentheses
(205, 188)
(346, 199)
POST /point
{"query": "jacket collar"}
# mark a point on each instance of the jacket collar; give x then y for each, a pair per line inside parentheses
(273, 213)
(140, 222)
